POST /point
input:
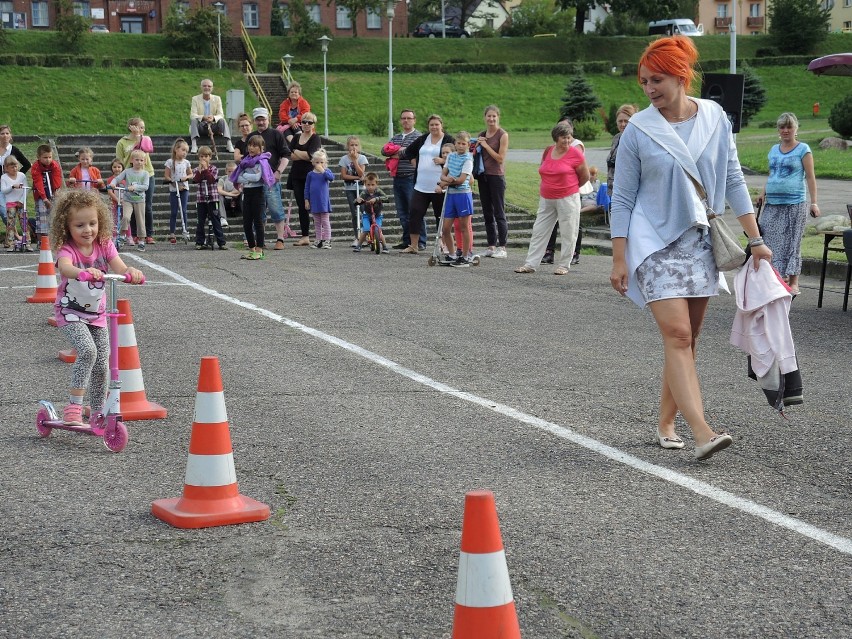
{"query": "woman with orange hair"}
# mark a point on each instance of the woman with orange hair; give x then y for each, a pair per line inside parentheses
(662, 256)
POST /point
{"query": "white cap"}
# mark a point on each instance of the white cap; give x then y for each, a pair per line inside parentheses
(260, 112)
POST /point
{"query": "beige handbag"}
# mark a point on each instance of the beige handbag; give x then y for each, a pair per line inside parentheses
(727, 252)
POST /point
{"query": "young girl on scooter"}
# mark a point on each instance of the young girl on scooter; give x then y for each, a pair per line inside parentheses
(81, 235)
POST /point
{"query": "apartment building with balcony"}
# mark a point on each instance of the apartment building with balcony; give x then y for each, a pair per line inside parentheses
(147, 16)
(841, 15)
(717, 16)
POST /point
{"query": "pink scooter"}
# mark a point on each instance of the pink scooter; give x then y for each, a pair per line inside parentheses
(107, 423)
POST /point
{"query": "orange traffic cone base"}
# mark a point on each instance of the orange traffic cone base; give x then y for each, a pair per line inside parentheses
(181, 512)
(487, 623)
(69, 356)
(132, 411)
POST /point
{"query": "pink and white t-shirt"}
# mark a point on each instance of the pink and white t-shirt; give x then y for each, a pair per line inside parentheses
(83, 301)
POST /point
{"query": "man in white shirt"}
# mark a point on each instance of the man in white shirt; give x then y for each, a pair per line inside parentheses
(205, 115)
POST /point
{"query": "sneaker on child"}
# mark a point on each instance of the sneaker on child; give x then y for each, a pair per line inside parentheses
(72, 415)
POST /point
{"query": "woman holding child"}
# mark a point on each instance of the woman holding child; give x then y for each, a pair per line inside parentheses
(425, 154)
(8, 149)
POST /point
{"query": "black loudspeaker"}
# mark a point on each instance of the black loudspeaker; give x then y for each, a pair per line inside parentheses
(727, 90)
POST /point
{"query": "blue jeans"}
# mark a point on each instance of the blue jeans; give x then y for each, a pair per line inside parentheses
(403, 188)
(274, 205)
(173, 201)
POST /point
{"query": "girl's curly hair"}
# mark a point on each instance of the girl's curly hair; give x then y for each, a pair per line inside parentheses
(67, 202)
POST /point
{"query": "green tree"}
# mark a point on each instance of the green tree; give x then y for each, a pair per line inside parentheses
(537, 16)
(840, 119)
(357, 7)
(580, 101)
(797, 26)
(276, 20)
(71, 29)
(303, 29)
(193, 31)
(754, 95)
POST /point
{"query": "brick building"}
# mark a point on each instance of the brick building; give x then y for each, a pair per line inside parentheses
(147, 16)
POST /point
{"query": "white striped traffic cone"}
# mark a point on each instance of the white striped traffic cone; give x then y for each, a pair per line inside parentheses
(134, 402)
(210, 493)
(485, 608)
(46, 286)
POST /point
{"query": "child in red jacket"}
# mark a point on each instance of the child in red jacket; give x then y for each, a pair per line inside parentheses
(47, 178)
(84, 175)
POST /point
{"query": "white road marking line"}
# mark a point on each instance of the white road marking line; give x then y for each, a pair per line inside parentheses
(704, 489)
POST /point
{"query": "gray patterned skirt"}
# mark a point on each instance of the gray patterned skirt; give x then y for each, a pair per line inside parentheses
(685, 268)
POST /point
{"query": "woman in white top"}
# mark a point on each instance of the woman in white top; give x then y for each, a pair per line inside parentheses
(425, 154)
(661, 248)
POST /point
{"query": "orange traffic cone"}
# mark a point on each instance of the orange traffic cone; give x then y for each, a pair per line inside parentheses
(67, 355)
(210, 493)
(134, 402)
(485, 608)
(46, 287)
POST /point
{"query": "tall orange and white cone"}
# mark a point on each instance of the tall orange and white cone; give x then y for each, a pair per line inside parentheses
(67, 355)
(46, 286)
(485, 608)
(134, 401)
(210, 493)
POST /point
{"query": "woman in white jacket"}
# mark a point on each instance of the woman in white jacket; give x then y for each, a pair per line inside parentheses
(662, 254)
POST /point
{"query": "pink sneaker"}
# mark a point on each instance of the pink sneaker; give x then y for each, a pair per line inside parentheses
(72, 415)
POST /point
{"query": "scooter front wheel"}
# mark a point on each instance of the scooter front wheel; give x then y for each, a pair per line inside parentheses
(116, 438)
(43, 429)
(432, 260)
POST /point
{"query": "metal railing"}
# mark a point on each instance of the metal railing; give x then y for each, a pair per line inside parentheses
(286, 76)
(250, 50)
(258, 89)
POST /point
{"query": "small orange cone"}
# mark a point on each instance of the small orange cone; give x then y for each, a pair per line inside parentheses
(46, 287)
(69, 356)
(485, 608)
(134, 402)
(51, 320)
(210, 493)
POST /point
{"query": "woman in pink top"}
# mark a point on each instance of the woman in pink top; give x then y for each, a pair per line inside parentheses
(563, 169)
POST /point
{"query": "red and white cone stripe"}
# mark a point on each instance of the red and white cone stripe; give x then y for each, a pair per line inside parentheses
(211, 457)
(210, 493)
(483, 580)
(46, 284)
(134, 401)
(485, 608)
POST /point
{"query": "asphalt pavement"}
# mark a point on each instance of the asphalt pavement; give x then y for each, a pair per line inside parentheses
(365, 394)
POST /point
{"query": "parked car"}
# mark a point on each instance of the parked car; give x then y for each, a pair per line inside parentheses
(679, 26)
(433, 30)
(99, 28)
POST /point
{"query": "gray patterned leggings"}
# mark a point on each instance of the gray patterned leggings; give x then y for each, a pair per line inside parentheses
(90, 369)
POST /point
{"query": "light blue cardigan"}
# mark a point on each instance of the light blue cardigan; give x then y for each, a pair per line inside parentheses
(653, 201)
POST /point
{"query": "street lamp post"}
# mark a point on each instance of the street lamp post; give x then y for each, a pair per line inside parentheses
(391, 4)
(219, 6)
(287, 59)
(324, 42)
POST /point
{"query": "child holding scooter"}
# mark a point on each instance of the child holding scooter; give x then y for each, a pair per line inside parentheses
(12, 185)
(353, 165)
(81, 234)
(178, 172)
(230, 196)
(207, 199)
(456, 178)
(137, 179)
(116, 198)
(84, 175)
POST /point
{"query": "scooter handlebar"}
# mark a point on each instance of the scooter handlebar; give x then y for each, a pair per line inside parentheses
(127, 278)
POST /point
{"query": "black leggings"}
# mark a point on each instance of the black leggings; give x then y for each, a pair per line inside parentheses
(253, 205)
(420, 204)
(551, 244)
(304, 214)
